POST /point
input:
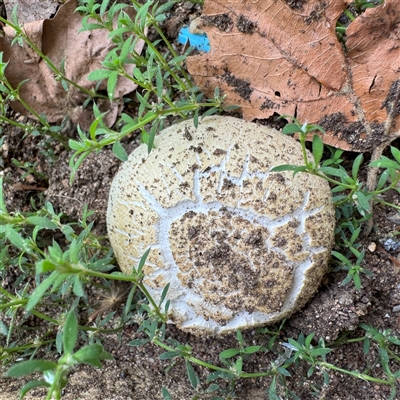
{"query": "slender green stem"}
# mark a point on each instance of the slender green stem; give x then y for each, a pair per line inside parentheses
(54, 389)
(354, 340)
(23, 302)
(116, 136)
(27, 346)
(32, 111)
(393, 354)
(161, 33)
(99, 330)
(14, 93)
(152, 302)
(302, 138)
(165, 65)
(160, 58)
(12, 122)
(44, 317)
(335, 182)
(149, 88)
(13, 304)
(354, 374)
(13, 220)
(124, 278)
(212, 366)
(7, 293)
(171, 49)
(388, 204)
(349, 15)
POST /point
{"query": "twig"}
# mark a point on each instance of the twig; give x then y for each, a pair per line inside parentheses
(20, 186)
(394, 260)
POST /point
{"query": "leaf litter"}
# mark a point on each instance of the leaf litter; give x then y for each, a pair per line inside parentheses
(32, 10)
(284, 57)
(60, 39)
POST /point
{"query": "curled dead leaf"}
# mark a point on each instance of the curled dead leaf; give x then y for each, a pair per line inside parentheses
(281, 56)
(81, 52)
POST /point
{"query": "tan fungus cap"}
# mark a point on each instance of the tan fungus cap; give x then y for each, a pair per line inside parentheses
(240, 246)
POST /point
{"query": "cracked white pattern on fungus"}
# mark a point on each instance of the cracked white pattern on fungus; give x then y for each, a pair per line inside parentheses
(240, 246)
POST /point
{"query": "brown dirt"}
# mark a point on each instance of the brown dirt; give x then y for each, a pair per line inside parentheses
(136, 372)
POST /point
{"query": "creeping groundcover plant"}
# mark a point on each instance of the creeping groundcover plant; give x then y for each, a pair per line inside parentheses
(217, 225)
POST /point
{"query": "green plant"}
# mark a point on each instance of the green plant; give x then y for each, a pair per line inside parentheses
(303, 350)
(347, 188)
(55, 374)
(350, 249)
(159, 75)
(61, 276)
(354, 271)
(351, 197)
(61, 270)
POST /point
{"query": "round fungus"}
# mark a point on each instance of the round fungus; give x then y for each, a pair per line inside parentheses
(240, 246)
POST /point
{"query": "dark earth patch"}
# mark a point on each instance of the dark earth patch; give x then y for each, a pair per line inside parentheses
(393, 98)
(296, 4)
(316, 14)
(240, 86)
(268, 104)
(244, 25)
(223, 22)
(353, 132)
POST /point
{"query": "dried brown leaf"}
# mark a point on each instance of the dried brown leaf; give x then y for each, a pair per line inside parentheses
(59, 39)
(281, 56)
(32, 10)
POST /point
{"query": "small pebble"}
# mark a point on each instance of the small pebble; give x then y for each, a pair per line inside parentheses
(188, 5)
(372, 247)
(396, 308)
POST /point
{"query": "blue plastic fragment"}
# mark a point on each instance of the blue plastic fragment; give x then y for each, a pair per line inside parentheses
(200, 42)
(391, 245)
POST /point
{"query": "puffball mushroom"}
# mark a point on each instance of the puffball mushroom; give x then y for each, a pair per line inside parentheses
(240, 246)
